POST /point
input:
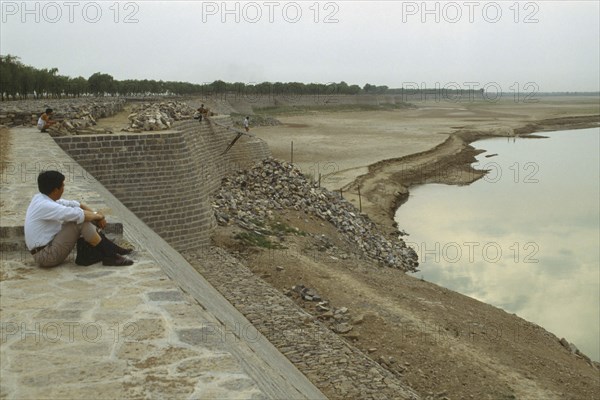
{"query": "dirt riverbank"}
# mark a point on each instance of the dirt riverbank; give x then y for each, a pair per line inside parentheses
(441, 343)
(386, 152)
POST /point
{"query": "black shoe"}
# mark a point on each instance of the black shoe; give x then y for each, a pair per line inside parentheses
(110, 257)
(124, 252)
(121, 251)
(115, 247)
(116, 261)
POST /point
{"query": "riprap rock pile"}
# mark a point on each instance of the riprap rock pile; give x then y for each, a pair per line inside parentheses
(253, 194)
(158, 116)
(75, 115)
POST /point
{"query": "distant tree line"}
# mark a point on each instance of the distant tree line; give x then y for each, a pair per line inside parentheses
(19, 81)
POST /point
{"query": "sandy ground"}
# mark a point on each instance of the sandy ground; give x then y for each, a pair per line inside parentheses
(4, 149)
(385, 152)
(118, 121)
(4, 145)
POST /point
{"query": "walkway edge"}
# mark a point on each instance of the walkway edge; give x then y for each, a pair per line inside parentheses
(274, 373)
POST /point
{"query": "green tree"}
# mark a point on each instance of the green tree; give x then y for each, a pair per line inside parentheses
(77, 86)
(368, 88)
(26, 81)
(353, 89)
(10, 77)
(101, 84)
(6, 76)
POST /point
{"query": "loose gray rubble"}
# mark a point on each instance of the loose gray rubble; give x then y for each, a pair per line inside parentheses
(338, 319)
(574, 350)
(158, 116)
(253, 195)
(320, 347)
(75, 116)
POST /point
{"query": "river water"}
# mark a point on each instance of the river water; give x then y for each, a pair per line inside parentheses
(525, 238)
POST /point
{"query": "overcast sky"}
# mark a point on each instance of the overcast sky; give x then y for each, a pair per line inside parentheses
(507, 44)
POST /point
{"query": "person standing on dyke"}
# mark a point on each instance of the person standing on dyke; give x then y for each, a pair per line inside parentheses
(202, 112)
(247, 124)
(53, 226)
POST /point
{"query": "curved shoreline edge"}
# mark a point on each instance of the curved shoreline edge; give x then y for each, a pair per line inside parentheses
(386, 185)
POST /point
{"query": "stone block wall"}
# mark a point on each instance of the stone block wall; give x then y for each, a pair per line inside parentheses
(166, 178)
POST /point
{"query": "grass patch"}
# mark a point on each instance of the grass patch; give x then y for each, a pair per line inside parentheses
(258, 222)
(279, 227)
(260, 236)
(257, 240)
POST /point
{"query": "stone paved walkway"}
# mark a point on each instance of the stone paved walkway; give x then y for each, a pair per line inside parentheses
(156, 329)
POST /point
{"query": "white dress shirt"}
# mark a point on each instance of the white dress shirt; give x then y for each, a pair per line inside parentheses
(44, 219)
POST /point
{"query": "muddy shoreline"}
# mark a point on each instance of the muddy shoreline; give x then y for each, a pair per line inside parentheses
(435, 340)
(386, 185)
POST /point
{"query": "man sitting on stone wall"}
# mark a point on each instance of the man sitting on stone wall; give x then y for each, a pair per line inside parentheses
(53, 226)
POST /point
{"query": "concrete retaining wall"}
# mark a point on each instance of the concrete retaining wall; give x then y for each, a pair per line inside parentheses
(249, 103)
(166, 178)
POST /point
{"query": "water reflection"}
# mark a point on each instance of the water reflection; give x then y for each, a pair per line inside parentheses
(524, 238)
